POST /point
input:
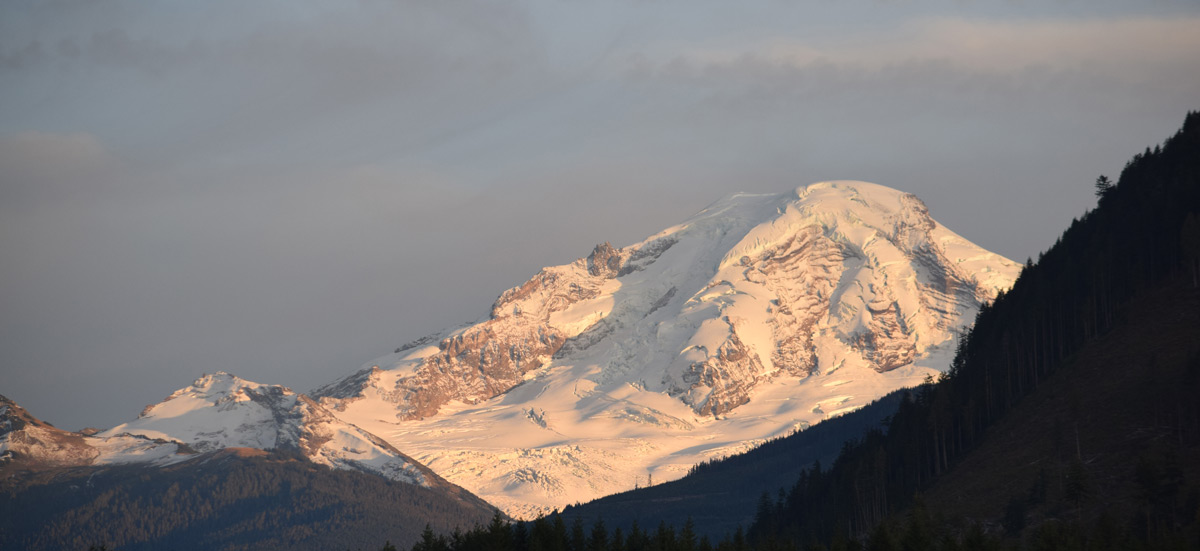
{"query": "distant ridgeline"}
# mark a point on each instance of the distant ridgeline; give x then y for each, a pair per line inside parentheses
(1124, 280)
(233, 499)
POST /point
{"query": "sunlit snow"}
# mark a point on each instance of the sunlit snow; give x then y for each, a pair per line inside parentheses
(882, 289)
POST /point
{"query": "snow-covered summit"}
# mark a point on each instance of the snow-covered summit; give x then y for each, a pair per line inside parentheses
(757, 315)
(216, 411)
(221, 411)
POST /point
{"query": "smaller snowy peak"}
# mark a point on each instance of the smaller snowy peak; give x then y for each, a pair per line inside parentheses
(221, 381)
(216, 411)
(221, 411)
(217, 387)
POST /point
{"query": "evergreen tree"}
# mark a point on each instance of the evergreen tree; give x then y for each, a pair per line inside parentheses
(431, 541)
(599, 538)
(664, 538)
(499, 535)
(617, 542)
(637, 541)
(687, 537)
(559, 541)
(520, 537)
(1103, 186)
(579, 538)
(739, 540)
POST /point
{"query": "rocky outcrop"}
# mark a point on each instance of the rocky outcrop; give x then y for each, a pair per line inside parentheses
(27, 439)
(605, 261)
(722, 382)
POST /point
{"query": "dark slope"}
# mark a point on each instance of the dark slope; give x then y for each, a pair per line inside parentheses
(230, 499)
(1143, 239)
(1120, 416)
(721, 495)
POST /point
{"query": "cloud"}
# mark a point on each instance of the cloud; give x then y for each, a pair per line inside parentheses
(41, 167)
(1120, 48)
(252, 82)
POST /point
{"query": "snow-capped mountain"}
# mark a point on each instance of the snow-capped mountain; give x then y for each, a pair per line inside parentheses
(221, 411)
(759, 315)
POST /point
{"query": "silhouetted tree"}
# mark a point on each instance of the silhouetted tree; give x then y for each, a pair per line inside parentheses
(1103, 186)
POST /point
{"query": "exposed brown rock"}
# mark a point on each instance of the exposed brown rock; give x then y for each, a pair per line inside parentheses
(605, 261)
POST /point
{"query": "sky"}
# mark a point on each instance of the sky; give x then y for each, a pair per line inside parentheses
(286, 190)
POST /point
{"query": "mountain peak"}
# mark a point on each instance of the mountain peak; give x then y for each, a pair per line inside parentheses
(13, 416)
(222, 382)
(769, 311)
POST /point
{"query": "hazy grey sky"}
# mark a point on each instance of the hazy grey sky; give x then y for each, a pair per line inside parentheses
(285, 190)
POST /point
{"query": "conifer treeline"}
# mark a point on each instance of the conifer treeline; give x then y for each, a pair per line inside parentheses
(1143, 230)
(919, 530)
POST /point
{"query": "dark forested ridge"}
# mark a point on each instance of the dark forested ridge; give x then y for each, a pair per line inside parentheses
(1068, 420)
(222, 502)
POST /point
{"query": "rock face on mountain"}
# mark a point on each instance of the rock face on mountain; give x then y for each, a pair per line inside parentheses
(821, 300)
(24, 437)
